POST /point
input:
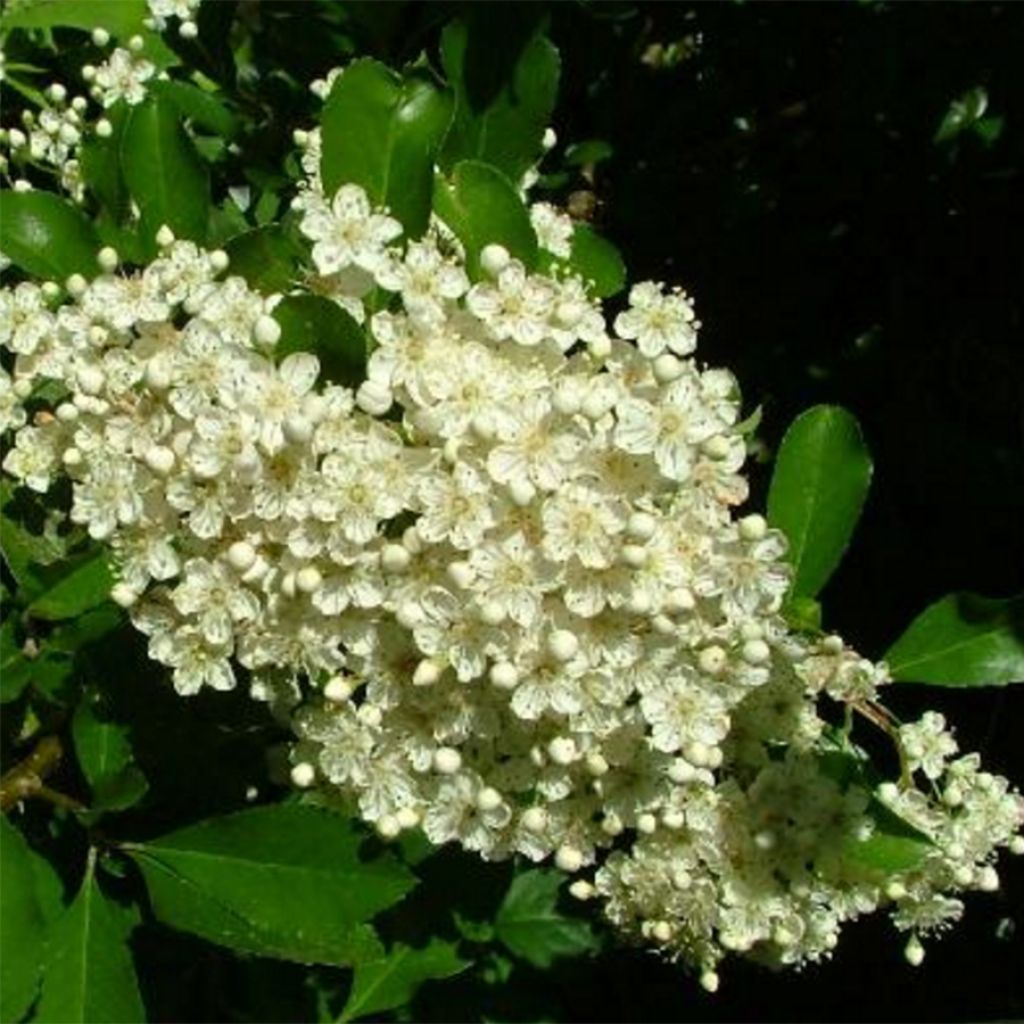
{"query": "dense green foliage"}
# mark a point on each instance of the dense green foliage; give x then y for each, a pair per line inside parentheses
(832, 186)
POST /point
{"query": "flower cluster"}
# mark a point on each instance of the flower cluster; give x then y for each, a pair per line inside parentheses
(500, 587)
(161, 11)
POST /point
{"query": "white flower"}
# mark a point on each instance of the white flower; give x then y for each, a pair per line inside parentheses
(516, 307)
(657, 321)
(122, 76)
(554, 229)
(348, 231)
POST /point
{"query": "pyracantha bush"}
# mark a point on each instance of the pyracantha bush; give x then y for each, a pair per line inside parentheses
(501, 584)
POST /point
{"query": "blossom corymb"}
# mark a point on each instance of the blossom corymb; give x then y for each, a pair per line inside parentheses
(504, 589)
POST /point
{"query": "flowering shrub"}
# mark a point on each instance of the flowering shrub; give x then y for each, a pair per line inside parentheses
(399, 461)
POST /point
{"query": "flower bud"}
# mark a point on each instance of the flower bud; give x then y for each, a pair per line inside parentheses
(447, 760)
(303, 775)
(494, 259)
(504, 675)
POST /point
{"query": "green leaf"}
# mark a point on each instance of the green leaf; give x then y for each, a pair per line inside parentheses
(27, 540)
(266, 257)
(121, 18)
(895, 845)
(531, 926)
(392, 981)
(198, 106)
(311, 323)
(88, 974)
(963, 113)
(15, 667)
(503, 104)
(588, 152)
(382, 132)
(105, 757)
(72, 587)
(821, 479)
(165, 175)
(598, 262)
(26, 881)
(480, 205)
(47, 236)
(284, 881)
(962, 640)
(100, 160)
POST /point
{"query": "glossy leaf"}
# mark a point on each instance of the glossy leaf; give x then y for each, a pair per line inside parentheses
(310, 323)
(47, 236)
(598, 262)
(480, 205)
(198, 106)
(266, 257)
(22, 922)
(502, 105)
(392, 981)
(284, 881)
(88, 974)
(821, 479)
(100, 161)
(73, 586)
(962, 640)
(530, 924)
(382, 132)
(165, 175)
(105, 756)
(121, 18)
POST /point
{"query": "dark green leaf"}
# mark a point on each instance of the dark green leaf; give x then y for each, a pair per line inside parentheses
(165, 175)
(962, 640)
(15, 668)
(100, 160)
(88, 975)
(24, 877)
(480, 205)
(105, 757)
(382, 133)
(28, 539)
(597, 261)
(266, 257)
(501, 112)
(821, 479)
(531, 926)
(46, 236)
(284, 881)
(311, 323)
(392, 981)
(73, 586)
(198, 106)
(588, 152)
